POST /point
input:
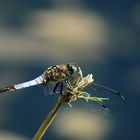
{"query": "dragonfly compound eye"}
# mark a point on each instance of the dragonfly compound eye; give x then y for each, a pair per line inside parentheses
(72, 68)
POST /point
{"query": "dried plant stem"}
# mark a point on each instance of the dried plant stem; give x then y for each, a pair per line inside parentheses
(48, 120)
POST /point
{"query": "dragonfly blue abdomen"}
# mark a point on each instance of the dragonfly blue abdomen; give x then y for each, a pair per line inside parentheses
(36, 81)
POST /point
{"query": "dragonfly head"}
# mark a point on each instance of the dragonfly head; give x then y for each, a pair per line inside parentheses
(73, 68)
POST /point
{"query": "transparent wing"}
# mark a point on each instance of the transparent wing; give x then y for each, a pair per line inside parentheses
(89, 106)
(49, 92)
(100, 88)
(105, 92)
(48, 89)
(100, 99)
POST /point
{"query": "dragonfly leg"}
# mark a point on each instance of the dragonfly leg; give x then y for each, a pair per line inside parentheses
(56, 86)
(68, 83)
(61, 88)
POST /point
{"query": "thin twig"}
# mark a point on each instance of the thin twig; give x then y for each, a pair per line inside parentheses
(48, 120)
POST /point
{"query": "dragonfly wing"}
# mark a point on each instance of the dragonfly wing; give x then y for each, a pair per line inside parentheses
(109, 90)
(48, 88)
(90, 106)
(101, 91)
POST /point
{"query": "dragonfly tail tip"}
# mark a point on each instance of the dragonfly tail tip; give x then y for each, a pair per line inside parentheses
(7, 89)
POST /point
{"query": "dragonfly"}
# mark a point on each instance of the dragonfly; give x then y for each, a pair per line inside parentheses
(58, 74)
(64, 76)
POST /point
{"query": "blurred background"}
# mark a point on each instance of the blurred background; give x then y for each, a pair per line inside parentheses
(103, 37)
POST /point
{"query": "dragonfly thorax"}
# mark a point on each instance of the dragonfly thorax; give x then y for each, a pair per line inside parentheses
(56, 73)
(62, 72)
